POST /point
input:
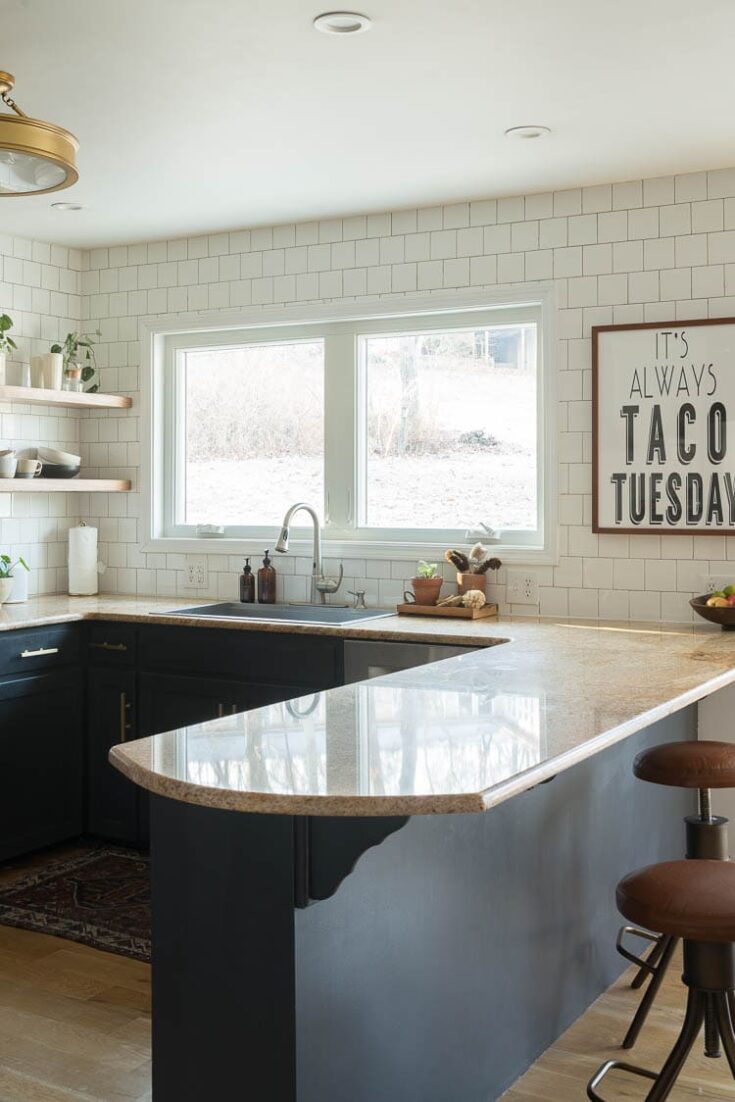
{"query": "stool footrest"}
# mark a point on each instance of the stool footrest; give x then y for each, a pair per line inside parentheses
(615, 1065)
(639, 961)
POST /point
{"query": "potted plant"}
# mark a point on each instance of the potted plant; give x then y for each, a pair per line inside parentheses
(80, 364)
(7, 344)
(427, 583)
(472, 568)
(7, 566)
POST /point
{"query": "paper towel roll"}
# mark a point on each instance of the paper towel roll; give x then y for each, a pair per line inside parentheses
(83, 578)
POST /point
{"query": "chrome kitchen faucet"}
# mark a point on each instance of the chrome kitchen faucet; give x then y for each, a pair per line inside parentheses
(319, 584)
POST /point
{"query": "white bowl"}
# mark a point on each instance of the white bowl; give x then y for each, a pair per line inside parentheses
(64, 459)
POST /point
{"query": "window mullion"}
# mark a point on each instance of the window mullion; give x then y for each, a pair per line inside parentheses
(340, 383)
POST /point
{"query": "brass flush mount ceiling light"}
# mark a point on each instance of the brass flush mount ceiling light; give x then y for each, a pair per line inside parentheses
(35, 156)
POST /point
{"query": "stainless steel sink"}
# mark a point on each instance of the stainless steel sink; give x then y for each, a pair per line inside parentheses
(292, 614)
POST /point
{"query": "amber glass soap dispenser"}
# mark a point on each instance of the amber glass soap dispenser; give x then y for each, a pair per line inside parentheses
(247, 584)
(267, 582)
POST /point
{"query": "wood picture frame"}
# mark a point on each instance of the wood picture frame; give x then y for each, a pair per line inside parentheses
(663, 471)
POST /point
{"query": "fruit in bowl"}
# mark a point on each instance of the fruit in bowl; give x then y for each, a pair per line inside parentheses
(718, 608)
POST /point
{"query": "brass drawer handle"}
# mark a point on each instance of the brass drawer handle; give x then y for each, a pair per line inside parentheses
(124, 725)
(39, 652)
(110, 646)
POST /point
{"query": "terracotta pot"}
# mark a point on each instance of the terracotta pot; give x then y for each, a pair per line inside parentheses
(466, 582)
(426, 590)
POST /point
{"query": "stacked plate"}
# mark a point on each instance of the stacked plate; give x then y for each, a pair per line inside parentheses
(57, 464)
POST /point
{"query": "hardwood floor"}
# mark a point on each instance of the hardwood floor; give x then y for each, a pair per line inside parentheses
(562, 1073)
(75, 1027)
(74, 1021)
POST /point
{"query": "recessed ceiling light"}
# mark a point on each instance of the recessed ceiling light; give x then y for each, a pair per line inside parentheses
(527, 132)
(342, 22)
(66, 206)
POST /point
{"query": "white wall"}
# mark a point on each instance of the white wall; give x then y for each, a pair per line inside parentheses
(625, 252)
(39, 289)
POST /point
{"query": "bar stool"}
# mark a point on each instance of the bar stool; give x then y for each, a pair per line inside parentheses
(702, 765)
(693, 900)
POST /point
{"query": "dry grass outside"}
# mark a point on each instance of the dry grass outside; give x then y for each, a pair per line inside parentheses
(450, 434)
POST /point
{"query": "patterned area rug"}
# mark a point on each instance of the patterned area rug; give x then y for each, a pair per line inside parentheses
(100, 897)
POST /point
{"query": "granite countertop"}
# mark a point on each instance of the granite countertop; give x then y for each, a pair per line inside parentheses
(461, 735)
(457, 736)
(59, 609)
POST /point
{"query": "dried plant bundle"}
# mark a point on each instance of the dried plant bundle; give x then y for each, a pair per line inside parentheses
(458, 559)
(488, 564)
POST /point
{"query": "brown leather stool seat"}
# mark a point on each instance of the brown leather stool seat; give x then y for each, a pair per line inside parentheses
(705, 764)
(687, 899)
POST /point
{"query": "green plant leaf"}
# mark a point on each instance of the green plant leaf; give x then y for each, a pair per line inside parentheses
(87, 374)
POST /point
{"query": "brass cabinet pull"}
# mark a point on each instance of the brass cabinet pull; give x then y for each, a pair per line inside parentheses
(124, 725)
(39, 652)
(110, 646)
(231, 710)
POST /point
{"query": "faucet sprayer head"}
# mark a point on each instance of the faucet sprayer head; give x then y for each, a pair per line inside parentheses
(282, 541)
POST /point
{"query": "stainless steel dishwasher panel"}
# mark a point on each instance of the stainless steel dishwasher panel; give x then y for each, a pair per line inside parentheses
(366, 659)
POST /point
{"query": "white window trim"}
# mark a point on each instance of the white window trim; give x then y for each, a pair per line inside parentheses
(381, 311)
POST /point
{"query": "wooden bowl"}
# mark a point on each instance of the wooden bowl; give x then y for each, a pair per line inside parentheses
(725, 617)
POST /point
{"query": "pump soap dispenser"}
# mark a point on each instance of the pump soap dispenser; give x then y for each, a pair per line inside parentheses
(267, 582)
(247, 584)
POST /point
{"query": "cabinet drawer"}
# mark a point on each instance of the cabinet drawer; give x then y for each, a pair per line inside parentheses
(29, 652)
(111, 644)
(310, 661)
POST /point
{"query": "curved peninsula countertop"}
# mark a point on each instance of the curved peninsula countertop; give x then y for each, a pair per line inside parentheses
(461, 735)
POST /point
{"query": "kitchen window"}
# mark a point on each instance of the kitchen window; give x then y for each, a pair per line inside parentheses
(424, 429)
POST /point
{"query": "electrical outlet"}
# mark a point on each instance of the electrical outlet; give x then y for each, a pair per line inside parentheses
(522, 588)
(197, 575)
(715, 582)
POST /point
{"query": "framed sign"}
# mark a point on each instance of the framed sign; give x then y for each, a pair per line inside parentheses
(663, 451)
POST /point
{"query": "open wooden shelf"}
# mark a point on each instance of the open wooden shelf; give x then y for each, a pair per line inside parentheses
(64, 485)
(64, 398)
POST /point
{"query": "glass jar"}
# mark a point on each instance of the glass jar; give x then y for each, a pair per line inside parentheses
(73, 378)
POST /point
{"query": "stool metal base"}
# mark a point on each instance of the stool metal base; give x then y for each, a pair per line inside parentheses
(709, 972)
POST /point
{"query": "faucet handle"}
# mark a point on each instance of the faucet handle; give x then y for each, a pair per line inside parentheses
(359, 596)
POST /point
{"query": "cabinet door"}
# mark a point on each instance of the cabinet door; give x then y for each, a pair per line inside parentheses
(168, 702)
(112, 800)
(41, 762)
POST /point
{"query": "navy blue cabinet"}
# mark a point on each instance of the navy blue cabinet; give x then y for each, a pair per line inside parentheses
(41, 760)
(112, 801)
(70, 692)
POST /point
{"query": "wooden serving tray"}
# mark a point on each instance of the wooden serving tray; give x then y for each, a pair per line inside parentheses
(453, 613)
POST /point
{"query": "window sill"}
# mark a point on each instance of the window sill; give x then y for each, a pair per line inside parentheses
(344, 549)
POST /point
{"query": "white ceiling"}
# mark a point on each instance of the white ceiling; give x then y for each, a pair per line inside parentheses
(199, 115)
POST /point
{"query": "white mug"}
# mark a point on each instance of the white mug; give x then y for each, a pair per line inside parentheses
(8, 464)
(28, 468)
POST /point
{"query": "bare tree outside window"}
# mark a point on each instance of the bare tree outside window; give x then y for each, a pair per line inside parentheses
(451, 429)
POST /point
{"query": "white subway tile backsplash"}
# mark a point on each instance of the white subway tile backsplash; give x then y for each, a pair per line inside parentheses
(638, 250)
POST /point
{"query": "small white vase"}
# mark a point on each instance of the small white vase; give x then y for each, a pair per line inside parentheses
(38, 371)
(19, 588)
(6, 584)
(2, 368)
